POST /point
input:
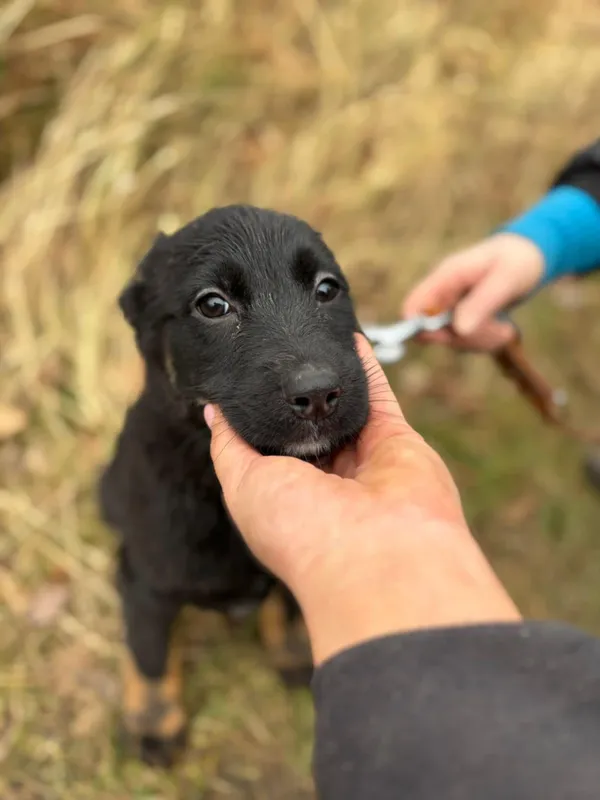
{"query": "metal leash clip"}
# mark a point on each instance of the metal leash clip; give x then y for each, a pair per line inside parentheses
(389, 341)
(389, 346)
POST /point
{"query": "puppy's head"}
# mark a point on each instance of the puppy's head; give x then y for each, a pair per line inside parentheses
(248, 309)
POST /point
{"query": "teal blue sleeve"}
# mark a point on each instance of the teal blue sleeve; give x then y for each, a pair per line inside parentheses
(565, 225)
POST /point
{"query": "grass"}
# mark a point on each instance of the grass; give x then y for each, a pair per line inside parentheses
(401, 131)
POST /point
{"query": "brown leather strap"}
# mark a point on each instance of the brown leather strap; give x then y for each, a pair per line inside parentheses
(549, 403)
(512, 361)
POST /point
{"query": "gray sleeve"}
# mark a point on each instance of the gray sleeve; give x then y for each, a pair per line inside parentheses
(499, 712)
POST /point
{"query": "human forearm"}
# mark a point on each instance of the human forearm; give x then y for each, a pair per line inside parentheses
(432, 577)
(565, 226)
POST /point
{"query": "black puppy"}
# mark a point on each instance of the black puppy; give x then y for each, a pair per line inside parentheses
(248, 309)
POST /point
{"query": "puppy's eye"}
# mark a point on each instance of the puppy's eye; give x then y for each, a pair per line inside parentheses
(326, 290)
(212, 305)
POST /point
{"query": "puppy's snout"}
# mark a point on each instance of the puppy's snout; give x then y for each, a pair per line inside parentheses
(312, 392)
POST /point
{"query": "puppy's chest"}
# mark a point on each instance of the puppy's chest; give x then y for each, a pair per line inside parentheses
(178, 528)
(218, 570)
(218, 565)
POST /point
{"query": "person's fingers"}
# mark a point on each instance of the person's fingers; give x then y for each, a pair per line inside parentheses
(443, 337)
(448, 282)
(232, 456)
(486, 299)
(444, 286)
(382, 399)
(252, 482)
(385, 415)
(389, 447)
(490, 336)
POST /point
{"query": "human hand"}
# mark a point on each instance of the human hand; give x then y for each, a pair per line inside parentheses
(478, 283)
(376, 545)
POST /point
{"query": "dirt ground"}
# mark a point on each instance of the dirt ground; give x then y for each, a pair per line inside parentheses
(401, 130)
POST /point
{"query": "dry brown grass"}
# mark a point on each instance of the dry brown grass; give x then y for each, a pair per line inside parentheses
(400, 130)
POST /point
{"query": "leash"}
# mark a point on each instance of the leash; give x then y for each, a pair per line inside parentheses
(551, 404)
(389, 344)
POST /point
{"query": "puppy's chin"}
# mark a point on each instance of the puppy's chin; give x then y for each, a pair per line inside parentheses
(309, 450)
(318, 451)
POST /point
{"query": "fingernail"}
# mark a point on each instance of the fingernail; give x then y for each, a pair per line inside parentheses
(209, 415)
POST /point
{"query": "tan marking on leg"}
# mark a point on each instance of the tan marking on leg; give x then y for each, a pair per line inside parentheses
(171, 683)
(135, 689)
(272, 622)
(285, 641)
(171, 723)
(153, 707)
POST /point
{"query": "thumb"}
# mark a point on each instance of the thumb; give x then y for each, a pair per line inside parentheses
(232, 457)
(250, 481)
(385, 415)
(449, 281)
(483, 302)
(391, 455)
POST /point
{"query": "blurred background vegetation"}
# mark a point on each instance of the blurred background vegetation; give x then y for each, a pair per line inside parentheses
(401, 130)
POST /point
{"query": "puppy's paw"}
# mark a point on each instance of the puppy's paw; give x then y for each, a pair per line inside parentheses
(154, 723)
(155, 748)
(163, 753)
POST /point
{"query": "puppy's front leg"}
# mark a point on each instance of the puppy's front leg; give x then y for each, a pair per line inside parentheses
(153, 716)
(284, 637)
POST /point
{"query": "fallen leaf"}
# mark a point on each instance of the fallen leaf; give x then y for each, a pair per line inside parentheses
(13, 420)
(47, 603)
(58, 575)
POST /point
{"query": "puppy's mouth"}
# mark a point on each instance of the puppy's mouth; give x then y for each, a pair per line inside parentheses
(316, 443)
(317, 449)
(309, 450)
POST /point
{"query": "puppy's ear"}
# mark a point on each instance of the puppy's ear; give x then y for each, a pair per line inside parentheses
(133, 300)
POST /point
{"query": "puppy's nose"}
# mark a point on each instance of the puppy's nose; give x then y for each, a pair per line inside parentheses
(312, 392)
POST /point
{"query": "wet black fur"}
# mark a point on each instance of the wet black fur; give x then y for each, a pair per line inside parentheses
(160, 492)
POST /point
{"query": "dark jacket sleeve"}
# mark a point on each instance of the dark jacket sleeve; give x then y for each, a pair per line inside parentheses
(499, 712)
(582, 171)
